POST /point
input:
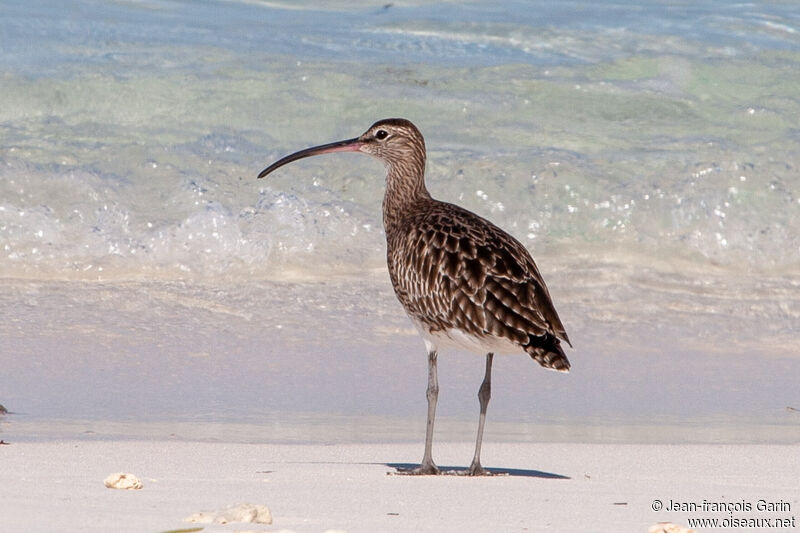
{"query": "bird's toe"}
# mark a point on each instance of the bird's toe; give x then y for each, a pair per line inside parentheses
(425, 469)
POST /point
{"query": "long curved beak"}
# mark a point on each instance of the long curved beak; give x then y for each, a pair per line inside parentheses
(350, 145)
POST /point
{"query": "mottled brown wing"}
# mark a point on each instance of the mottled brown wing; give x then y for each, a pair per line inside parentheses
(455, 269)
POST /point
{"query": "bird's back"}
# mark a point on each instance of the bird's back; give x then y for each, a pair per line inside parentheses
(465, 281)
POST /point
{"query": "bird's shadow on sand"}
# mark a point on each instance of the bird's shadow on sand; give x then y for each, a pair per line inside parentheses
(462, 471)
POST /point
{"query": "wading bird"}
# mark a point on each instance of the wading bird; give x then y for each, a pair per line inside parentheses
(463, 281)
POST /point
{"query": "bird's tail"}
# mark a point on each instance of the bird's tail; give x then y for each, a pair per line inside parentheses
(549, 354)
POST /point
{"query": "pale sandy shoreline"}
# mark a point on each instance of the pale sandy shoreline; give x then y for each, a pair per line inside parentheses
(565, 487)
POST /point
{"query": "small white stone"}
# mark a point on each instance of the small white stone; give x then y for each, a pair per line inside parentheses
(244, 512)
(668, 527)
(121, 480)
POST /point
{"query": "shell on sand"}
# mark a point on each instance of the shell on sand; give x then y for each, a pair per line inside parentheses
(668, 527)
(243, 512)
(122, 480)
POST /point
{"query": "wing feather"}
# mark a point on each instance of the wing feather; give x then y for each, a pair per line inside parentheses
(455, 270)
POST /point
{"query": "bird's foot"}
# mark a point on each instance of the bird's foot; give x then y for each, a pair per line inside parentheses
(425, 469)
(475, 469)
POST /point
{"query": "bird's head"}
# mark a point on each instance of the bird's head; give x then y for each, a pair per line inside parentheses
(393, 141)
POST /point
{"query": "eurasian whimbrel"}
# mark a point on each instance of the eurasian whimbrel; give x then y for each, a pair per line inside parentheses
(463, 281)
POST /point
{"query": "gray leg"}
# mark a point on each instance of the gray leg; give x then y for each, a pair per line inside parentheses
(432, 394)
(428, 467)
(484, 393)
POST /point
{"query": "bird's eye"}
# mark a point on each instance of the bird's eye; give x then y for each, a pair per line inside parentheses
(381, 134)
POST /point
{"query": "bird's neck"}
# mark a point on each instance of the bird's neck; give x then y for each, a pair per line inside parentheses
(405, 188)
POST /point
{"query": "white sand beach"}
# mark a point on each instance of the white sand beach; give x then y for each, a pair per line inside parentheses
(58, 486)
